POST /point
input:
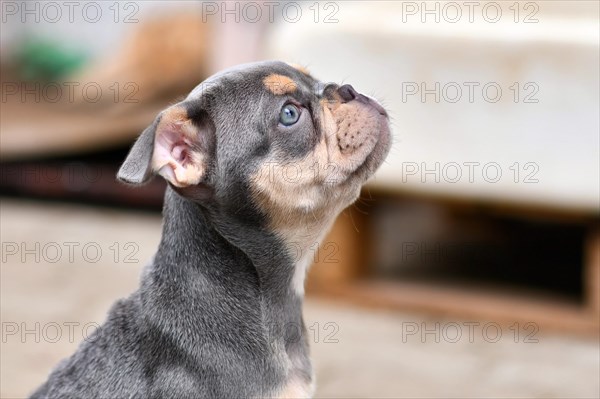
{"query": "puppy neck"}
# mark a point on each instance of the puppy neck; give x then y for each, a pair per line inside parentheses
(240, 259)
(204, 283)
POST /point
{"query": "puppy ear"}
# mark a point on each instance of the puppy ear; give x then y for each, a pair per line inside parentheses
(174, 147)
(137, 168)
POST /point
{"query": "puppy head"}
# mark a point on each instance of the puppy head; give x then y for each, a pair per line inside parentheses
(267, 136)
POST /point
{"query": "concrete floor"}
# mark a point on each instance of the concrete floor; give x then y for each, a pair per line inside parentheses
(63, 266)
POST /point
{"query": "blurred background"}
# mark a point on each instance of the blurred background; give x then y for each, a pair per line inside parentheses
(470, 267)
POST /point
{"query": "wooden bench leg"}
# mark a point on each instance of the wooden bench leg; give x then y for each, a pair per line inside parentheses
(592, 273)
(343, 255)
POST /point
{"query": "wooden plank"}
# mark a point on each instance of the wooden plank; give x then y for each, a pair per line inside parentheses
(549, 314)
(515, 209)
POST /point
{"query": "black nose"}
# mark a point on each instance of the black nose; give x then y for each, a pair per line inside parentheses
(347, 93)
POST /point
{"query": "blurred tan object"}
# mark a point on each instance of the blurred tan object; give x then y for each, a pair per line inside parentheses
(165, 57)
(110, 102)
(348, 265)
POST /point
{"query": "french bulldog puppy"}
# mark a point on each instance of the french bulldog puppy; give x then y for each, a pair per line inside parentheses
(259, 160)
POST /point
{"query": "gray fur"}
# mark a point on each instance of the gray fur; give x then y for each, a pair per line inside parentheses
(215, 315)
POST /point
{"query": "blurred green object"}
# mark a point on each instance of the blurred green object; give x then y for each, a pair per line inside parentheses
(45, 60)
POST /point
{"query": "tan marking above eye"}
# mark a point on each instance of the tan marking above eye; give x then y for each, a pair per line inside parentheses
(279, 84)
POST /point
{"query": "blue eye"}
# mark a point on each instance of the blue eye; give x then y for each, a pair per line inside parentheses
(289, 115)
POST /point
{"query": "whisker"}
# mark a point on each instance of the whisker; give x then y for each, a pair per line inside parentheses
(353, 222)
(360, 210)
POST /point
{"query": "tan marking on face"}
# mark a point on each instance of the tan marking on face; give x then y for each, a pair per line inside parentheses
(279, 84)
(302, 198)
